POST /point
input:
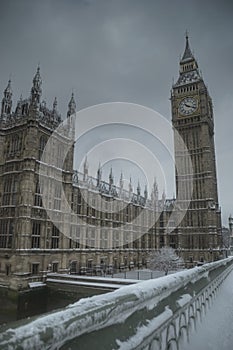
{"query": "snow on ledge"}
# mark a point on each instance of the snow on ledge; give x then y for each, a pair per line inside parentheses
(55, 329)
(144, 331)
(36, 284)
(184, 299)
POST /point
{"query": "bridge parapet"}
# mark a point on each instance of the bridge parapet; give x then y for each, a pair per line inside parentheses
(154, 314)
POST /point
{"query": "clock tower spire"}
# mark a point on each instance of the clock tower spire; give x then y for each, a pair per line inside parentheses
(189, 71)
(187, 56)
(192, 118)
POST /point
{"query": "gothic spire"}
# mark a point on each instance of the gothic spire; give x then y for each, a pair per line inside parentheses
(8, 90)
(99, 175)
(85, 169)
(55, 105)
(187, 55)
(121, 181)
(71, 106)
(36, 88)
(111, 177)
(130, 185)
(7, 100)
(145, 192)
(138, 189)
(18, 109)
(189, 72)
(37, 79)
(154, 193)
(155, 187)
(163, 197)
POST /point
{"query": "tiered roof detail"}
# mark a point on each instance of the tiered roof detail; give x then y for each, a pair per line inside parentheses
(189, 72)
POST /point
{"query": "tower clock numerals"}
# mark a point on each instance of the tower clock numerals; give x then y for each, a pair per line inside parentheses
(188, 105)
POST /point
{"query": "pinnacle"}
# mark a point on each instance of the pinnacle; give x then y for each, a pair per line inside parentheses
(187, 52)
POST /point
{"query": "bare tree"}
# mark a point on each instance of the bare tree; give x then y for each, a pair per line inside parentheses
(164, 260)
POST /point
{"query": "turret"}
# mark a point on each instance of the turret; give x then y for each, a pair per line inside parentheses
(138, 189)
(231, 225)
(7, 100)
(85, 169)
(71, 106)
(99, 175)
(36, 89)
(130, 186)
(121, 181)
(110, 177)
(55, 105)
(18, 110)
(154, 193)
(145, 192)
(163, 198)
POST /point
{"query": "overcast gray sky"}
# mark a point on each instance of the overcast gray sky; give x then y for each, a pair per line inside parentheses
(122, 50)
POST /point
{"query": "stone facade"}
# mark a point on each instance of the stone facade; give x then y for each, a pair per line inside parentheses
(192, 118)
(95, 236)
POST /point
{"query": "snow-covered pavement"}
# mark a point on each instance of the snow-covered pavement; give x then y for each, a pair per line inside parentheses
(215, 331)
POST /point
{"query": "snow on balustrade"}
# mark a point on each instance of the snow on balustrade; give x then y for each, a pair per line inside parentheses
(98, 312)
(145, 330)
(215, 330)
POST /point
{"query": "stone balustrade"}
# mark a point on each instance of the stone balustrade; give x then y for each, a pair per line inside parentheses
(154, 314)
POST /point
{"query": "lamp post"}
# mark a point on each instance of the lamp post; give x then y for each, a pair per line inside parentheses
(211, 253)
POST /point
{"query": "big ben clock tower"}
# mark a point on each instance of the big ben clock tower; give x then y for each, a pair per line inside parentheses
(192, 117)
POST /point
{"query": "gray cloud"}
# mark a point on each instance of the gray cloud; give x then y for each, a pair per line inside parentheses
(122, 50)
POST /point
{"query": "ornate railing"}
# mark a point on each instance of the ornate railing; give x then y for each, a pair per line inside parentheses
(154, 314)
(171, 330)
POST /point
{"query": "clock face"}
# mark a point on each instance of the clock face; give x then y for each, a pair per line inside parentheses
(187, 106)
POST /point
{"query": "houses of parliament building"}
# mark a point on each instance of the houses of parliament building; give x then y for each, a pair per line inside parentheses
(95, 236)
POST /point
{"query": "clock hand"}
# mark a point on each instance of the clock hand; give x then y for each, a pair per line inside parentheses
(187, 105)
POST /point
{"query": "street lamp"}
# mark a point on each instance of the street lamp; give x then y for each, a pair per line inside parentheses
(211, 253)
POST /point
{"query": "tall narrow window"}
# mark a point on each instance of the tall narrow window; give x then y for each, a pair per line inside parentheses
(37, 198)
(79, 202)
(36, 228)
(60, 159)
(14, 190)
(42, 143)
(15, 144)
(6, 233)
(10, 190)
(55, 238)
(75, 236)
(7, 191)
(57, 196)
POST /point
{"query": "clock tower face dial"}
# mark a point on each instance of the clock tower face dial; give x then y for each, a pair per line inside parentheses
(188, 105)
